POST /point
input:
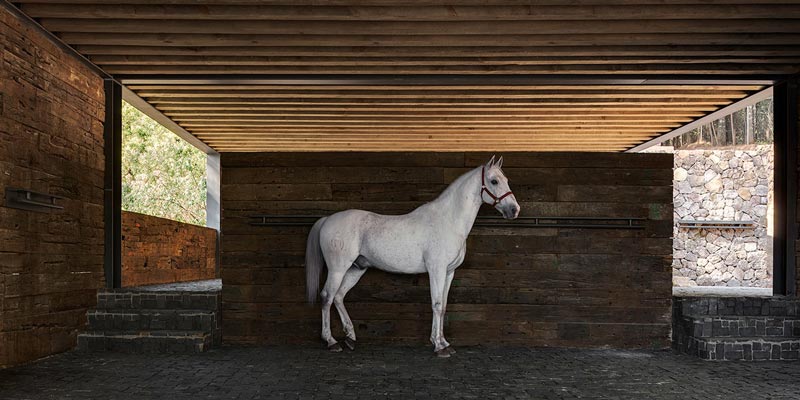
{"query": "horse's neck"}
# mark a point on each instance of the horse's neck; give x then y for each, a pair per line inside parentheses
(458, 205)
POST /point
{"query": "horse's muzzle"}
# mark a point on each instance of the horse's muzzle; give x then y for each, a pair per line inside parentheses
(510, 211)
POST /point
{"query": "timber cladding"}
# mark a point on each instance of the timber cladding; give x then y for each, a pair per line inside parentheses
(51, 141)
(158, 250)
(527, 286)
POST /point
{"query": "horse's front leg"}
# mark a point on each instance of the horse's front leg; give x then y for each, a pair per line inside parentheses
(437, 276)
(448, 280)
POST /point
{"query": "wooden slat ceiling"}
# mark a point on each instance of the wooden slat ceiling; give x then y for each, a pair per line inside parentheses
(205, 41)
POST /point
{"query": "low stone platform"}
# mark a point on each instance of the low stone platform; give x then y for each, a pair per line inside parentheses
(175, 318)
(209, 285)
(737, 328)
(375, 372)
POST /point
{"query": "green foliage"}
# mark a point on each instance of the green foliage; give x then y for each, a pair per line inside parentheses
(162, 175)
(750, 125)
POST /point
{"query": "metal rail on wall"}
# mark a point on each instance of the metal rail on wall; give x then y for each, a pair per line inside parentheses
(482, 221)
(712, 224)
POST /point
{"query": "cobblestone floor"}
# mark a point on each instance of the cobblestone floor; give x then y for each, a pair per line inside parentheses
(398, 372)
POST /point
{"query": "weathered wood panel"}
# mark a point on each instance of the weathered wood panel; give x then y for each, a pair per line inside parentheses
(157, 250)
(797, 243)
(531, 286)
(51, 141)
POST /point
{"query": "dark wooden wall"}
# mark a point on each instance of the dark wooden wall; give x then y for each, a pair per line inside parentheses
(796, 265)
(158, 250)
(51, 141)
(532, 286)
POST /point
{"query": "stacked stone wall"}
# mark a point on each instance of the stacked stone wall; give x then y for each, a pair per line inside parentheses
(724, 185)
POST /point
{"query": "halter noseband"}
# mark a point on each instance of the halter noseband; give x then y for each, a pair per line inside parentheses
(495, 199)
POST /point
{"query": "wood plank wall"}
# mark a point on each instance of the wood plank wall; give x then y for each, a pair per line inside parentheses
(531, 286)
(797, 243)
(51, 141)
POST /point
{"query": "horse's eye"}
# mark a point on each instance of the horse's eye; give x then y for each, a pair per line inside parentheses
(494, 181)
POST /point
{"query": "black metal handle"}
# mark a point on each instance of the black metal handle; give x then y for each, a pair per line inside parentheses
(29, 200)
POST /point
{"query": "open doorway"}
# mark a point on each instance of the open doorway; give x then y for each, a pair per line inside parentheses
(723, 192)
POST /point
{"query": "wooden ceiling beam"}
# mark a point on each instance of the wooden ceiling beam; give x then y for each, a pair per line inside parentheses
(423, 131)
(559, 111)
(448, 51)
(451, 102)
(412, 148)
(405, 28)
(466, 116)
(618, 69)
(131, 61)
(444, 95)
(471, 89)
(137, 38)
(413, 3)
(381, 75)
(277, 137)
(432, 120)
(411, 13)
(195, 127)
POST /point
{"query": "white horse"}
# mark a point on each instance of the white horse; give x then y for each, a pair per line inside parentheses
(430, 239)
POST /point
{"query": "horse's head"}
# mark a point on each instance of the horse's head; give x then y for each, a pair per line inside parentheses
(495, 190)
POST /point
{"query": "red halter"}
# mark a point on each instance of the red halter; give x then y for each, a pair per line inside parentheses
(484, 189)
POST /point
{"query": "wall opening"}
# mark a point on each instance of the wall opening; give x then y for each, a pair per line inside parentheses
(162, 175)
(164, 235)
(723, 197)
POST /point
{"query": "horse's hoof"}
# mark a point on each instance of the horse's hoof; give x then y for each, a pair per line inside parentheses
(335, 348)
(350, 343)
(450, 349)
(443, 353)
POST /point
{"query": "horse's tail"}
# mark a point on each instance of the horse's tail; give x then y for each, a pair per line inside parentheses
(314, 261)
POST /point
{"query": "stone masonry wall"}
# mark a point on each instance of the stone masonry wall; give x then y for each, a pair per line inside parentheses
(51, 141)
(728, 185)
(157, 250)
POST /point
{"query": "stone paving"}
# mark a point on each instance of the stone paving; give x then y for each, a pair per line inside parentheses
(209, 285)
(398, 372)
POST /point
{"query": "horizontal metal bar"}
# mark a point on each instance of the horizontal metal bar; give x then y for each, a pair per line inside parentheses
(711, 221)
(712, 224)
(31, 201)
(38, 204)
(482, 221)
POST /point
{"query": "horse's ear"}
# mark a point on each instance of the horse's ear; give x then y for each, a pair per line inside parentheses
(499, 162)
(490, 163)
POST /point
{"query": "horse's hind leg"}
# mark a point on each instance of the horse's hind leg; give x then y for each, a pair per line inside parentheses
(332, 284)
(351, 277)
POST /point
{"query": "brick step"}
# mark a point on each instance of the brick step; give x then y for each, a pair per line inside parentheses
(145, 342)
(152, 319)
(744, 349)
(131, 300)
(742, 326)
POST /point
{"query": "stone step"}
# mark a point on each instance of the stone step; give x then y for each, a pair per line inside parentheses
(737, 306)
(131, 300)
(743, 349)
(152, 320)
(741, 326)
(145, 342)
